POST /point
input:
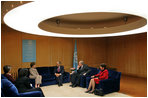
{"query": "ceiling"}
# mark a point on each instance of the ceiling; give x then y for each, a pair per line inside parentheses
(83, 23)
(92, 23)
(92, 16)
(6, 6)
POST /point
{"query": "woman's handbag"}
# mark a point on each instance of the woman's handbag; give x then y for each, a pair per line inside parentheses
(99, 92)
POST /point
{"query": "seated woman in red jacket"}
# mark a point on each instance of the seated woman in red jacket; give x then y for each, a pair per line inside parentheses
(7, 73)
(102, 75)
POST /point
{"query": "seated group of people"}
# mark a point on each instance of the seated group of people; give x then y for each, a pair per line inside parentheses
(23, 83)
(83, 69)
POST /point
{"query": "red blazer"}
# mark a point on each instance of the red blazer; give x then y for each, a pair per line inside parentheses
(9, 77)
(102, 75)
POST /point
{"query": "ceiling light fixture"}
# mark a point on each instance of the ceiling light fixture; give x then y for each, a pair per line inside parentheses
(26, 18)
(58, 22)
(125, 19)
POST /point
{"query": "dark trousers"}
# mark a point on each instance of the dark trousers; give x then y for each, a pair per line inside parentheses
(75, 78)
(59, 79)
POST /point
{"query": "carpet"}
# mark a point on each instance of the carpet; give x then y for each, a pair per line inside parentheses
(66, 91)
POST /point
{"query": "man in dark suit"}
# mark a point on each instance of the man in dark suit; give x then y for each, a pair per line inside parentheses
(59, 70)
(82, 69)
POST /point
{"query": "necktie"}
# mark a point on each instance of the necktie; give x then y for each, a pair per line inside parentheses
(59, 69)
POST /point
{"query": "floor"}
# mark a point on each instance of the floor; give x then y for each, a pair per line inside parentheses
(133, 86)
(66, 91)
(129, 86)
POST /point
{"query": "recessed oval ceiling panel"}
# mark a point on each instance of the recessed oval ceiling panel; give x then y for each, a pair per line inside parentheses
(92, 23)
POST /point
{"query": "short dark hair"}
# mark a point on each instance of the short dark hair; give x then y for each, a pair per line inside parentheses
(32, 63)
(6, 68)
(103, 65)
(23, 72)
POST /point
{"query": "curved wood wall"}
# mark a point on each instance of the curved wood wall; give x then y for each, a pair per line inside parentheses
(128, 53)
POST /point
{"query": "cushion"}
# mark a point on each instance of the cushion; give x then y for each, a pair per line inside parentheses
(93, 71)
(51, 69)
(113, 74)
(8, 88)
(48, 77)
(43, 71)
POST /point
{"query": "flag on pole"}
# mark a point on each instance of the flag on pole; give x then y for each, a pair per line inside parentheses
(75, 57)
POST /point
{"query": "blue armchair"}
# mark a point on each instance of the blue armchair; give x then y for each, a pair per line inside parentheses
(8, 89)
(112, 84)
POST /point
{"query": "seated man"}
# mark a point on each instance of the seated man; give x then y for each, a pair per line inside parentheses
(59, 70)
(82, 69)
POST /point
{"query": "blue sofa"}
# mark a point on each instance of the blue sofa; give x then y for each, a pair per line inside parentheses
(112, 84)
(93, 71)
(48, 77)
(8, 89)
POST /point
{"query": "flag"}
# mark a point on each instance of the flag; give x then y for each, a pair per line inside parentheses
(75, 57)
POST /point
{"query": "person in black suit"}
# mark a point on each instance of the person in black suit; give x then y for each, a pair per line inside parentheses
(81, 70)
(23, 84)
(59, 70)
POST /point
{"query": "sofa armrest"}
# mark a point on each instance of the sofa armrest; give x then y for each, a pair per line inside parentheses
(31, 94)
(66, 77)
(66, 74)
(87, 81)
(106, 82)
(109, 85)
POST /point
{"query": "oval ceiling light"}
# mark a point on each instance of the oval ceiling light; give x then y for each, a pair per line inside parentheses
(26, 18)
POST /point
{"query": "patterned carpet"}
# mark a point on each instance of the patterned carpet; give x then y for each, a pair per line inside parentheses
(66, 91)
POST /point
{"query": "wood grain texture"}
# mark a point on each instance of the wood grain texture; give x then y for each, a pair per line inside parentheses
(49, 50)
(133, 86)
(128, 54)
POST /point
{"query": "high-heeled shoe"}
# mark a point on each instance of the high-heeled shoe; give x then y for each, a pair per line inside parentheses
(91, 92)
(87, 91)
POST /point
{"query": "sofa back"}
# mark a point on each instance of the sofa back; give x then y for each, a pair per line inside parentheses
(44, 71)
(93, 71)
(112, 74)
(8, 88)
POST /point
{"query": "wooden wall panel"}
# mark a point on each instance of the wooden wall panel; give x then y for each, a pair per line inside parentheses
(11, 49)
(42, 51)
(2, 49)
(49, 50)
(92, 51)
(128, 54)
